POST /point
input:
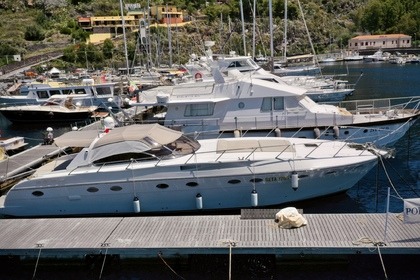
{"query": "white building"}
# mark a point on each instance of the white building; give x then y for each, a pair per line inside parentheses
(386, 41)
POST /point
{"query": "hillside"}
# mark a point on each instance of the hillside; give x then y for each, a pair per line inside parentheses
(39, 26)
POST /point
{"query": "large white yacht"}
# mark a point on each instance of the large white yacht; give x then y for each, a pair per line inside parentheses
(245, 105)
(153, 169)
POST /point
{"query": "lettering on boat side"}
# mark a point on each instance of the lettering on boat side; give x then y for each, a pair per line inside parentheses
(276, 179)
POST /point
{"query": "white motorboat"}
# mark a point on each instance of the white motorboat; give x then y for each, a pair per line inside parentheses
(58, 108)
(153, 169)
(379, 55)
(246, 105)
(318, 88)
(97, 94)
(281, 70)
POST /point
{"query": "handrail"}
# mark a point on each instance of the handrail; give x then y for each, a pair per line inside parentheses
(254, 149)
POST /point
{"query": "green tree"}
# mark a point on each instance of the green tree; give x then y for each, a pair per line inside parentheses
(108, 49)
(34, 33)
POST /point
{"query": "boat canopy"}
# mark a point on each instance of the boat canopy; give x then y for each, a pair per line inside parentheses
(133, 138)
(77, 138)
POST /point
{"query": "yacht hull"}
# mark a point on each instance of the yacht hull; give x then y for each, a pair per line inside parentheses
(111, 190)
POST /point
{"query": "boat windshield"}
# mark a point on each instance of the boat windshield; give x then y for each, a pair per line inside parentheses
(180, 147)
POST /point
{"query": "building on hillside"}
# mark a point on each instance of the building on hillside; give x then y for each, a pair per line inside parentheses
(166, 14)
(108, 27)
(375, 42)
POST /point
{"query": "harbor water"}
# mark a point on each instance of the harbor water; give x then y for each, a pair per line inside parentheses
(401, 174)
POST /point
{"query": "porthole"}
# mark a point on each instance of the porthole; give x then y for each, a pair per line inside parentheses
(330, 172)
(92, 189)
(115, 188)
(192, 184)
(256, 180)
(364, 131)
(303, 176)
(234, 181)
(162, 186)
(346, 132)
(241, 105)
(37, 193)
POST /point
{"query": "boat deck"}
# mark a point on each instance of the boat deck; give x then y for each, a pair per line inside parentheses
(22, 164)
(149, 236)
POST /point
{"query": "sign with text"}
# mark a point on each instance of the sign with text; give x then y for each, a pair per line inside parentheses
(411, 210)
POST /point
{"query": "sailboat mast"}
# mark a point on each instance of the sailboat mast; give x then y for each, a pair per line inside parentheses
(253, 31)
(243, 26)
(125, 38)
(285, 33)
(168, 22)
(270, 15)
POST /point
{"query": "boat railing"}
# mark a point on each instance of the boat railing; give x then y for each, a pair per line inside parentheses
(294, 118)
(382, 105)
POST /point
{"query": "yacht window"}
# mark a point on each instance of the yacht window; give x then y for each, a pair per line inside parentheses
(37, 193)
(192, 184)
(79, 91)
(235, 64)
(272, 104)
(67, 91)
(103, 91)
(54, 91)
(266, 104)
(162, 186)
(42, 94)
(92, 189)
(253, 64)
(256, 180)
(195, 110)
(278, 103)
(115, 188)
(234, 181)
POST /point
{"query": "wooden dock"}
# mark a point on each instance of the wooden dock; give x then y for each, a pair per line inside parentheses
(150, 236)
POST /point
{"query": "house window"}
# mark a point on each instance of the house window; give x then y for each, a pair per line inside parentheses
(383, 43)
(195, 110)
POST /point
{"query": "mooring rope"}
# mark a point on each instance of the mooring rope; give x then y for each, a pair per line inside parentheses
(160, 256)
(380, 257)
(37, 260)
(378, 244)
(103, 263)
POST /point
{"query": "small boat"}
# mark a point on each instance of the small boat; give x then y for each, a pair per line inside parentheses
(10, 145)
(58, 108)
(378, 56)
(150, 169)
(354, 56)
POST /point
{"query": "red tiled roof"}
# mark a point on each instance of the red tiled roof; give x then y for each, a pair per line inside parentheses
(383, 36)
